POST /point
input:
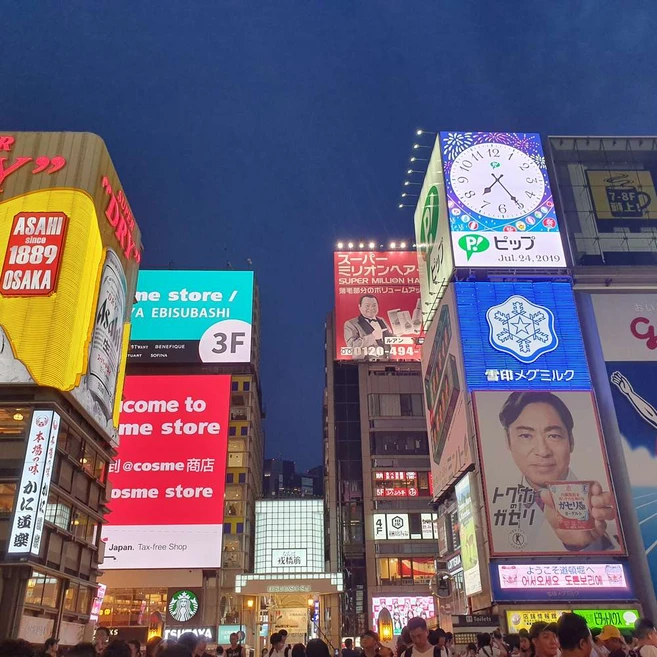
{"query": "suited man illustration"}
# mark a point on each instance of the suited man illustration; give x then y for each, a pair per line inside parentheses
(367, 330)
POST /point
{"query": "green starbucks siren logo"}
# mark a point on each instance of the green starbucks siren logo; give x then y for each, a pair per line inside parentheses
(429, 228)
(473, 244)
(183, 606)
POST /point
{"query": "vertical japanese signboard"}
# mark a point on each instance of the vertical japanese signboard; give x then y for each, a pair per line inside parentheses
(434, 250)
(168, 478)
(377, 306)
(70, 250)
(627, 325)
(468, 536)
(34, 486)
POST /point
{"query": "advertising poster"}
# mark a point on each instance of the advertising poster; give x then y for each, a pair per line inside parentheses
(377, 306)
(627, 325)
(583, 581)
(501, 210)
(168, 479)
(70, 250)
(402, 609)
(192, 317)
(468, 536)
(545, 473)
(434, 249)
(442, 368)
(521, 336)
(522, 619)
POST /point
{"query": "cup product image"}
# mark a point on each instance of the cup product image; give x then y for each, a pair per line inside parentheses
(572, 503)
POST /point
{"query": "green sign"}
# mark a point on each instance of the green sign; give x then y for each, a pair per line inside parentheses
(623, 619)
(183, 606)
(473, 244)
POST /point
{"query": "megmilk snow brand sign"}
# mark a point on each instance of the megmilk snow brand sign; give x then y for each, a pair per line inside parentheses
(521, 336)
(565, 581)
(192, 317)
(434, 252)
(500, 204)
(34, 486)
(545, 468)
(627, 325)
(447, 423)
(377, 306)
(70, 250)
(168, 476)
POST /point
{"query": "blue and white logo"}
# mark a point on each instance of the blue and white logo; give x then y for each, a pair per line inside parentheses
(522, 329)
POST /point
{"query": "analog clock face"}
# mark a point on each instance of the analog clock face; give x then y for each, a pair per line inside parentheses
(497, 181)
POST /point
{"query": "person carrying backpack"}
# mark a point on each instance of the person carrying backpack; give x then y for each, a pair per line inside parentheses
(417, 628)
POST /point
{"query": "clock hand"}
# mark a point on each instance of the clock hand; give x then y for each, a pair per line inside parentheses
(511, 196)
(488, 189)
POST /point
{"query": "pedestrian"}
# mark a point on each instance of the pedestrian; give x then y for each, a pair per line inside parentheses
(369, 642)
(612, 640)
(287, 648)
(201, 647)
(646, 637)
(471, 650)
(348, 650)
(116, 648)
(385, 651)
(169, 649)
(83, 649)
(525, 645)
(317, 648)
(135, 647)
(544, 639)
(152, 645)
(236, 649)
(50, 648)
(189, 640)
(277, 645)
(485, 647)
(449, 643)
(298, 650)
(574, 636)
(498, 642)
(101, 638)
(15, 648)
(419, 635)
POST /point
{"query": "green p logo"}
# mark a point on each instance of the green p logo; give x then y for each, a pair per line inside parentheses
(473, 244)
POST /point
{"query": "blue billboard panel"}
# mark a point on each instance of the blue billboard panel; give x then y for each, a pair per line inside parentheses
(521, 336)
(192, 317)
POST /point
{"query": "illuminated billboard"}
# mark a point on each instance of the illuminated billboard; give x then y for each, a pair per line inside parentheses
(521, 336)
(70, 250)
(168, 478)
(444, 378)
(627, 326)
(568, 581)
(434, 250)
(404, 526)
(279, 552)
(522, 619)
(402, 608)
(468, 536)
(192, 317)
(545, 469)
(377, 306)
(501, 210)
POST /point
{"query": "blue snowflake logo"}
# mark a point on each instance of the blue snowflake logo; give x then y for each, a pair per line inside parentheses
(521, 329)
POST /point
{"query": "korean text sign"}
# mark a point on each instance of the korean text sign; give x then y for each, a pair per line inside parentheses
(500, 204)
(544, 467)
(627, 325)
(168, 477)
(34, 486)
(377, 306)
(521, 336)
(192, 317)
(563, 581)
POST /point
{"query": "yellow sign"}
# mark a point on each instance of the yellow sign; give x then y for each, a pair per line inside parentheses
(523, 618)
(623, 194)
(70, 252)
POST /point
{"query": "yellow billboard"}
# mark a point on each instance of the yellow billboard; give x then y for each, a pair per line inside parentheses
(70, 252)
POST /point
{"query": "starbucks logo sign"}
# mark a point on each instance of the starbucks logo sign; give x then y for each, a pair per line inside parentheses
(183, 606)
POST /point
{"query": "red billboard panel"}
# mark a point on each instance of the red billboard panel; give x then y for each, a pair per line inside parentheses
(377, 306)
(167, 497)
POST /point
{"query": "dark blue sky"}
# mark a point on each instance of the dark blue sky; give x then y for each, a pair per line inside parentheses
(269, 129)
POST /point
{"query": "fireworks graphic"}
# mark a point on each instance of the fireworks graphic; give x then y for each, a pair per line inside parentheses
(539, 160)
(524, 142)
(494, 137)
(456, 142)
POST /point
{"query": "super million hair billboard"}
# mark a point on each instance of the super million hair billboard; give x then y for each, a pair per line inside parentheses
(70, 250)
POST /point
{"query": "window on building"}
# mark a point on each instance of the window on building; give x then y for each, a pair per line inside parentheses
(399, 442)
(42, 590)
(244, 431)
(232, 431)
(59, 513)
(229, 477)
(71, 597)
(416, 571)
(14, 423)
(7, 496)
(411, 405)
(240, 528)
(227, 527)
(247, 386)
(234, 386)
(241, 477)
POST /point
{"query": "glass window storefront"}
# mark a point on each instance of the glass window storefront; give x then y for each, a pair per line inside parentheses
(7, 495)
(42, 590)
(408, 572)
(123, 607)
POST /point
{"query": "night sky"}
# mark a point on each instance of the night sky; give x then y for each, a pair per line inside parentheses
(269, 130)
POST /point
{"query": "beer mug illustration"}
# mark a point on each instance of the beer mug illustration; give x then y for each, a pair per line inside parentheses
(107, 336)
(624, 199)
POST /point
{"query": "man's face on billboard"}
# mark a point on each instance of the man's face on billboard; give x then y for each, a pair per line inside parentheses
(369, 307)
(540, 444)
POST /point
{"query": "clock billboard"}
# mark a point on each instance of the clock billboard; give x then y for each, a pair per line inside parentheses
(499, 200)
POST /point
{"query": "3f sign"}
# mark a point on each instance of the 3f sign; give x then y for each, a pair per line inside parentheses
(228, 341)
(236, 340)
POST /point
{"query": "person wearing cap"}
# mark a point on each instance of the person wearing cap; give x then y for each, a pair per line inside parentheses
(574, 636)
(543, 637)
(612, 640)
